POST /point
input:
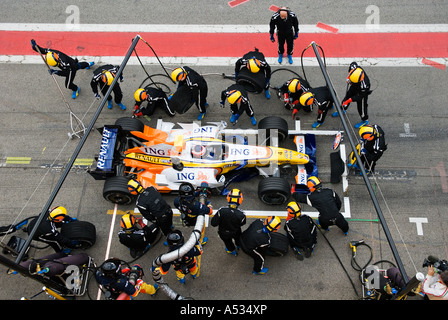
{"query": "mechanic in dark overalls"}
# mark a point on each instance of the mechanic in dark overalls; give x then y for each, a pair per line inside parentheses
(255, 241)
(48, 232)
(188, 263)
(287, 26)
(326, 201)
(320, 97)
(185, 76)
(67, 65)
(116, 280)
(103, 76)
(190, 208)
(300, 230)
(229, 220)
(152, 206)
(255, 62)
(358, 91)
(154, 97)
(136, 235)
(236, 95)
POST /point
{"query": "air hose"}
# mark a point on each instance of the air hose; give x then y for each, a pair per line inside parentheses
(174, 255)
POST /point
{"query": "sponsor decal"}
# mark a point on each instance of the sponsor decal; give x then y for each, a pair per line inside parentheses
(107, 149)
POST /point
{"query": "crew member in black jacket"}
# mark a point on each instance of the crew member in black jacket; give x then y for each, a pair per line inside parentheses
(255, 241)
(152, 206)
(320, 97)
(255, 62)
(185, 76)
(229, 221)
(300, 230)
(371, 147)
(67, 65)
(154, 97)
(136, 234)
(48, 230)
(326, 201)
(287, 25)
(358, 91)
(103, 76)
(236, 94)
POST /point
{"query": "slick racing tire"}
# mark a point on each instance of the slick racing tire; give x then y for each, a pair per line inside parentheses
(279, 245)
(182, 100)
(252, 82)
(274, 123)
(82, 231)
(116, 190)
(274, 190)
(130, 124)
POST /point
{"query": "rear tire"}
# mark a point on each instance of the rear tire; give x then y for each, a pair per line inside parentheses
(252, 82)
(274, 190)
(116, 190)
(130, 124)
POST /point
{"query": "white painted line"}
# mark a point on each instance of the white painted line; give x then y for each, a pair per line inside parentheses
(223, 28)
(230, 61)
(419, 223)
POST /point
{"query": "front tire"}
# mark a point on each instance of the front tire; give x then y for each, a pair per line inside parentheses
(274, 190)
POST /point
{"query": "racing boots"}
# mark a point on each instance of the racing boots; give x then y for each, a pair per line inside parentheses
(361, 124)
(201, 116)
(233, 253)
(253, 120)
(261, 272)
(109, 104)
(317, 124)
(280, 58)
(268, 94)
(234, 118)
(290, 59)
(75, 93)
(122, 106)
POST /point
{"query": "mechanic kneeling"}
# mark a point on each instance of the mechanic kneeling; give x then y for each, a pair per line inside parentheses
(190, 208)
(116, 280)
(47, 231)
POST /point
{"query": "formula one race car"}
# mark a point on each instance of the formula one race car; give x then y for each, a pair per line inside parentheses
(165, 157)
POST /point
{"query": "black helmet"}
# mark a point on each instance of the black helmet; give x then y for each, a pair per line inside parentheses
(175, 237)
(111, 267)
(186, 190)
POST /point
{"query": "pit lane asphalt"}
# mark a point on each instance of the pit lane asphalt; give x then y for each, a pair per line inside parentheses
(411, 177)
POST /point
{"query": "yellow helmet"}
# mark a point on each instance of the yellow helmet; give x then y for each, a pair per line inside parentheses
(313, 183)
(306, 99)
(57, 214)
(272, 223)
(52, 58)
(356, 75)
(294, 210)
(234, 97)
(178, 74)
(135, 187)
(367, 132)
(235, 197)
(127, 221)
(294, 85)
(140, 95)
(253, 65)
(107, 77)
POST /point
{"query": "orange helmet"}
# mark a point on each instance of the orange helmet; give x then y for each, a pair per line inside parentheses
(313, 183)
